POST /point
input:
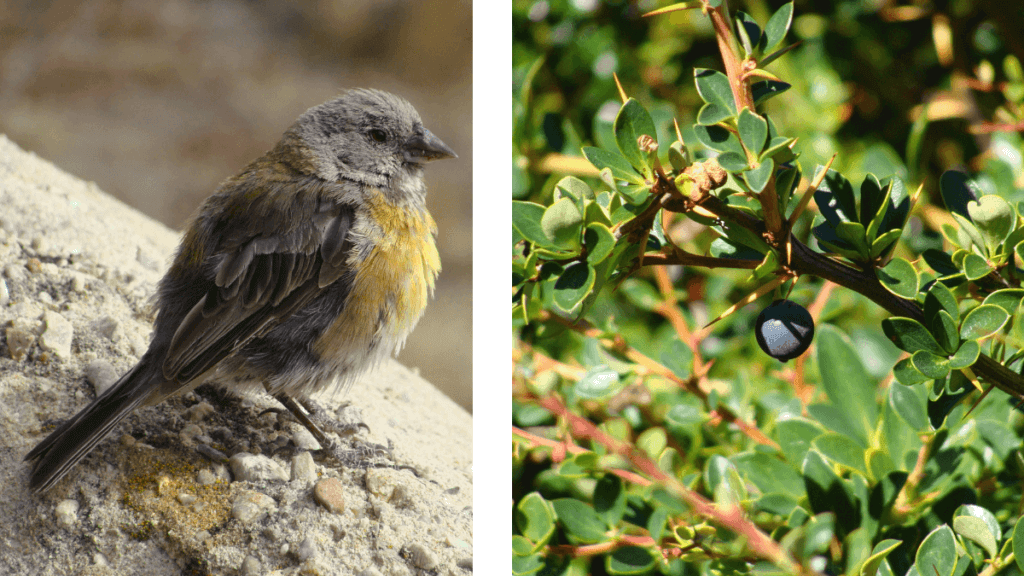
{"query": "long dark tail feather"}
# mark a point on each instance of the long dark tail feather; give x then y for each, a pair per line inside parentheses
(75, 438)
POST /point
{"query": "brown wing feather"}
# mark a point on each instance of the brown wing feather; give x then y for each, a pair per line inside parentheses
(262, 283)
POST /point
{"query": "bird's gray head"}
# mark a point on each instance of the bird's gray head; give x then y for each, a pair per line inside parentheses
(370, 137)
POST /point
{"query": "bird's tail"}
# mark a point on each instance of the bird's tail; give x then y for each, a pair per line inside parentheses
(74, 439)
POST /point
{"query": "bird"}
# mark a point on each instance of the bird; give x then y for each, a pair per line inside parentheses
(297, 275)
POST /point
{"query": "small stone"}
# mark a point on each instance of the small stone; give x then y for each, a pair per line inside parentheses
(101, 375)
(57, 336)
(186, 499)
(303, 468)
(199, 411)
(306, 550)
(382, 482)
(163, 485)
(67, 512)
(303, 439)
(203, 535)
(15, 273)
(189, 432)
(421, 556)
(465, 563)
(34, 265)
(206, 477)
(108, 327)
(250, 566)
(256, 468)
(210, 452)
(456, 542)
(78, 283)
(370, 571)
(5, 294)
(19, 342)
(250, 506)
(330, 493)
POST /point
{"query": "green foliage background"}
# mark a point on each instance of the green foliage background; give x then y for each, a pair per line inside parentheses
(868, 84)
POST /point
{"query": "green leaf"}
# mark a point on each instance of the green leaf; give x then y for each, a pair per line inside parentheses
(526, 218)
(910, 403)
(610, 499)
(931, 365)
(957, 190)
(597, 383)
(910, 335)
(776, 28)
(938, 298)
(978, 525)
(944, 329)
(795, 436)
(883, 242)
(763, 91)
(854, 234)
(878, 554)
(733, 161)
(841, 450)
(976, 267)
(966, 356)
(1018, 543)
(844, 378)
(900, 278)
(757, 178)
(713, 87)
(562, 223)
(599, 242)
(574, 284)
(827, 492)
(629, 560)
(872, 198)
(968, 232)
(523, 565)
(535, 519)
(906, 374)
(718, 138)
(678, 358)
(994, 218)
(632, 122)
(835, 198)
(937, 554)
(581, 522)
(748, 31)
(1008, 299)
(983, 321)
(620, 167)
(753, 130)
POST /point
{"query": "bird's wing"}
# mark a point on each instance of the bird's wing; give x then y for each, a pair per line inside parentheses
(257, 285)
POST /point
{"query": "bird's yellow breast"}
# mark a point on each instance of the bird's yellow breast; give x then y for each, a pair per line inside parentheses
(396, 263)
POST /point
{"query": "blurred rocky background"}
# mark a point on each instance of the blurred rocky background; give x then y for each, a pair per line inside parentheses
(159, 101)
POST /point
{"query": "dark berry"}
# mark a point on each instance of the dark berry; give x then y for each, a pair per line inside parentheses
(784, 330)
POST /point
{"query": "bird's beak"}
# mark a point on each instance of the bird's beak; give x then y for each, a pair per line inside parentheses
(426, 146)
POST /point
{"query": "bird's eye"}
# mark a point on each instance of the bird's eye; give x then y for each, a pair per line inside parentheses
(378, 136)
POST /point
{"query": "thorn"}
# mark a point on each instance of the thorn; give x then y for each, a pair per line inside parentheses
(679, 135)
(675, 8)
(750, 298)
(980, 398)
(622, 93)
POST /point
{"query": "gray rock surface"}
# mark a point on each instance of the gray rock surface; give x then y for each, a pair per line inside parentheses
(78, 270)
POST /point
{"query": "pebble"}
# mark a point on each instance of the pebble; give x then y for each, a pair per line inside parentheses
(67, 512)
(5, 294)
(422, 557)
(256, 468)
(303, 439)
(199, 411)
(57, 336)
(189, 432)
(186, 498)
(250, 567)
(250, 506)
(19, 341)
(370, 571)
(108, 327)
(101, 375)
(306, 550)
(330, 493)
(382, 482)
(15, 273)
(303, 468)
